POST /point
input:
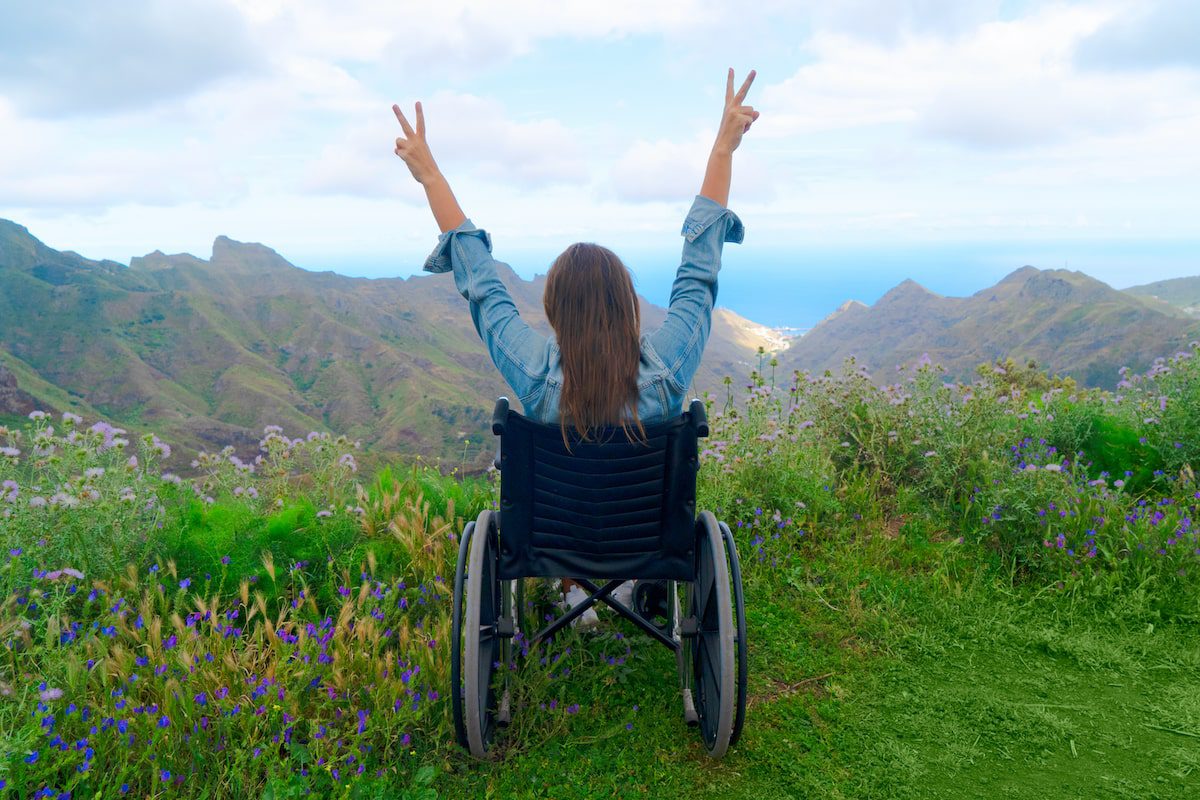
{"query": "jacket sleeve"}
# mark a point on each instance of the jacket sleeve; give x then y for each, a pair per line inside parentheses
(519, 352)
(681, 339)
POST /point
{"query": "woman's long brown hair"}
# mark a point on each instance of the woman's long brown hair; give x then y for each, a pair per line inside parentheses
(591, 305)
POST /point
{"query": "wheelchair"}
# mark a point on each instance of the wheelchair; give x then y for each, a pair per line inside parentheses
(607, 509)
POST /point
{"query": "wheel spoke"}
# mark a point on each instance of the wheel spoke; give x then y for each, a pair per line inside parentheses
(709, 658)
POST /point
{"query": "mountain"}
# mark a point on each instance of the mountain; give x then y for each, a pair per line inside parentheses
(1068, 322)
(208, 352)
(1181, 293)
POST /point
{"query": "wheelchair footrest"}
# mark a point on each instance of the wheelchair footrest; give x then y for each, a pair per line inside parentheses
(504, 713)
(506, 627)
(689, 709)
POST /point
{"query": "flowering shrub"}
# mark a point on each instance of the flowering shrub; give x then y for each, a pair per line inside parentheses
(153, 680)
(1164, 406)
(1056, 479)
(78, 496)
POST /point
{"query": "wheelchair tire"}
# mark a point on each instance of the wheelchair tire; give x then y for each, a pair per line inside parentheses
(739, 605)
(710, 652)
(456, 642)
(482, 644)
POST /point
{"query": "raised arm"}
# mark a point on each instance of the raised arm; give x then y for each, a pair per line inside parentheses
(709, 225)
(735, 121)
(414, 150)
(519, 352)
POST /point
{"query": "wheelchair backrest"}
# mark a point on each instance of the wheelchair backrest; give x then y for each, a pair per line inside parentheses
(606, 508)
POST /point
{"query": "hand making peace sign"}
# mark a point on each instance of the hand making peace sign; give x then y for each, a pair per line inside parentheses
(413, 148)
(737, 118)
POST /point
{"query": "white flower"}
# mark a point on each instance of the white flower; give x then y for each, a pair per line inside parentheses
(1053, 467)
(65, 500)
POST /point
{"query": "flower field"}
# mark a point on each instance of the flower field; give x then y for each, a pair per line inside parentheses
(276, 624)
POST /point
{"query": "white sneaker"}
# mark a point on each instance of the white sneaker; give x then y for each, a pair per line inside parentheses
(623, 594)
(587, 619)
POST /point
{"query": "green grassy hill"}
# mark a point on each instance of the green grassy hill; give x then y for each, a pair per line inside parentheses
(1181, 293)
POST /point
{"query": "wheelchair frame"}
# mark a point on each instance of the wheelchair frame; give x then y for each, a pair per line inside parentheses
(695, 554)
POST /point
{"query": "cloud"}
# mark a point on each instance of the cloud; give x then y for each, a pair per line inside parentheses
(359, 162)
(888, 21)
(76, 57)
(669, 171)
(49, 166)
(459, 37)
(1146, 36)
(1002, 85)
(478, 131)
(470, 136)
(662, 170)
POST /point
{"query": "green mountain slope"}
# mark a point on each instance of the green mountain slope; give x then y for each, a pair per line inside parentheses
(1066, 321)
(208, 352)
(1181, 293)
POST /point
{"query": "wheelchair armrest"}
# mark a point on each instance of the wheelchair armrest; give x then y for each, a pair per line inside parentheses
(500, 416)
(698, 417)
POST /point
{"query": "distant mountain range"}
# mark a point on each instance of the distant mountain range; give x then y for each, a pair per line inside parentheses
(208, 352)
(1067, 322)
(1182, 293)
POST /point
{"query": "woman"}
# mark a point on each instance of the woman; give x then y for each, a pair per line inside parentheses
(598, 368)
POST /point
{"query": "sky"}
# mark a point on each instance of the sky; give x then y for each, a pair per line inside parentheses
(948, 141)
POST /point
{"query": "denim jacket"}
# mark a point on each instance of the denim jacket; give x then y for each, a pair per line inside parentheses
(530, 362)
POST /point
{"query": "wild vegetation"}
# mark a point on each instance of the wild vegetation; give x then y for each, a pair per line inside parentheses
(954, 589)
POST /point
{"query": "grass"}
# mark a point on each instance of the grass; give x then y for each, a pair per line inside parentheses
(881, 673)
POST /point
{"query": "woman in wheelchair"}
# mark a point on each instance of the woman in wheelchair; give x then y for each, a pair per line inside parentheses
(601, 382)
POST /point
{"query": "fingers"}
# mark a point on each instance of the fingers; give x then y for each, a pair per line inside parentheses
(729, 87)
(420, 120)
(741, 95)
(408, 131)
(747, 116)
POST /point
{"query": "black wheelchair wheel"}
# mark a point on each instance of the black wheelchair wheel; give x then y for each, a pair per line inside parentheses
(740, 644)
(482, 642)
(709, 659)
(456, 642)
